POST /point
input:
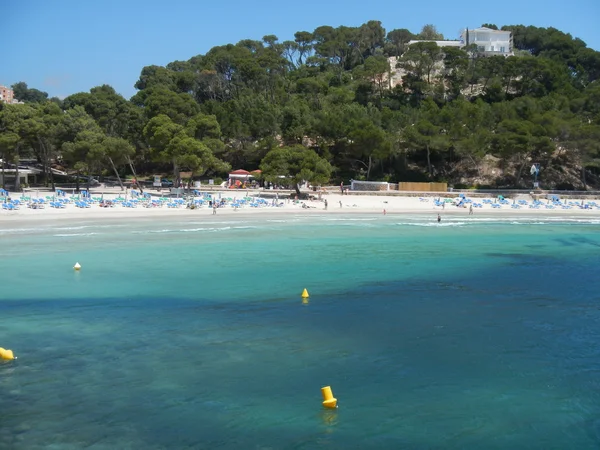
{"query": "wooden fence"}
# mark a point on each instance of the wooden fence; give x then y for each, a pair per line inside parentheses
(423, 187)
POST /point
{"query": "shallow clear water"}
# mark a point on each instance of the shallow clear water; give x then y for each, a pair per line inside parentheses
(474, 334)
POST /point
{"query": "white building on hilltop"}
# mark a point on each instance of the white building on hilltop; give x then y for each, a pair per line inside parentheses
(489, 42)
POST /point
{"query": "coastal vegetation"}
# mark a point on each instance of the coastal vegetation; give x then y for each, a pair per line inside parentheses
(324, 107)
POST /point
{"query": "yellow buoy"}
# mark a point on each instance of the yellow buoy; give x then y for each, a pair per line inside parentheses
(328, 400)
(6, 354)
(77, 266)
(304, 293)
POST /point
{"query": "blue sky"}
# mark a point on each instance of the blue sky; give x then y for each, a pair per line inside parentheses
(68, 46)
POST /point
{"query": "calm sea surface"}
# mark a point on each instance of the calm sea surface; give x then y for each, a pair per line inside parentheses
(472, 334)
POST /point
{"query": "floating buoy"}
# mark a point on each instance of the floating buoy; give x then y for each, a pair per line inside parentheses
(304, 293)
(77, 266)
(328, 400)
(7, 354)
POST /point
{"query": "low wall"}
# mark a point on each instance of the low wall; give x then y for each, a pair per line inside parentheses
(378, 186)
(423, 187)
(372, 186)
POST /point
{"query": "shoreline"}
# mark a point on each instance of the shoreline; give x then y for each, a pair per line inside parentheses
(351, 205)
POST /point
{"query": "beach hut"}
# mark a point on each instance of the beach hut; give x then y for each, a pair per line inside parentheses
(239, 173)
(239, 176)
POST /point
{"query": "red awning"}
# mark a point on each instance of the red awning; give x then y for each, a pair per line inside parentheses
(239, 172)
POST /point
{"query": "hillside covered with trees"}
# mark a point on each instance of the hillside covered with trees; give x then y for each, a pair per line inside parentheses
(323, 105)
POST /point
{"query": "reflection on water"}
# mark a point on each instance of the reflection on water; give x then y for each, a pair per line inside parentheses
(330, 418)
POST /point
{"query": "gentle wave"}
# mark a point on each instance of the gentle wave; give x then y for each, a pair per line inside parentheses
(505, 221)
(544, 219)
(221, 222)
(81, 227)
(350, 219)
(192, 230)
(185, 230)
(22, 230)
(272, 223)
(75, 234)
(53, 229)
(432, 224)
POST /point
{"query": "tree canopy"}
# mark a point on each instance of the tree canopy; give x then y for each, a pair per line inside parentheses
(335, 103)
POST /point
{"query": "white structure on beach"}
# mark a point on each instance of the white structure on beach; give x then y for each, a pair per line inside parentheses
(25, 176)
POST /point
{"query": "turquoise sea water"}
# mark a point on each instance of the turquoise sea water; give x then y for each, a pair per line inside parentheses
(472, 334)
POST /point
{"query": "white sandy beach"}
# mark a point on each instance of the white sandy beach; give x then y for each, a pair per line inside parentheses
(337, 204)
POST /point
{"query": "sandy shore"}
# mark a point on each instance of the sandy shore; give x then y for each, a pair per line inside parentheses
(336, 204)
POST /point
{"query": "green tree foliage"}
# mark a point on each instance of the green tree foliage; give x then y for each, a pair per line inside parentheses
(179, 107)
(113, 113)
(190, 146)
(369, 143)
(297, 164)
(351, 102)
(118, 152)
(396, 41)
(375, 70)
(430, 32)
(550, 43)
(44, 127)
(87, 143)
(28, 95)
(15, 127)
(9, 141)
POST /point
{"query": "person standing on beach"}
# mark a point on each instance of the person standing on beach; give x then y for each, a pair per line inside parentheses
(470, 210)
(325, 201)
(214, 208)
(342, 187)
(439, 218)
(340, 203)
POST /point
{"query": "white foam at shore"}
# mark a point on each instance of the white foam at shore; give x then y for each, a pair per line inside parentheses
(432, 224)
(75, 234)
(179, 228)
